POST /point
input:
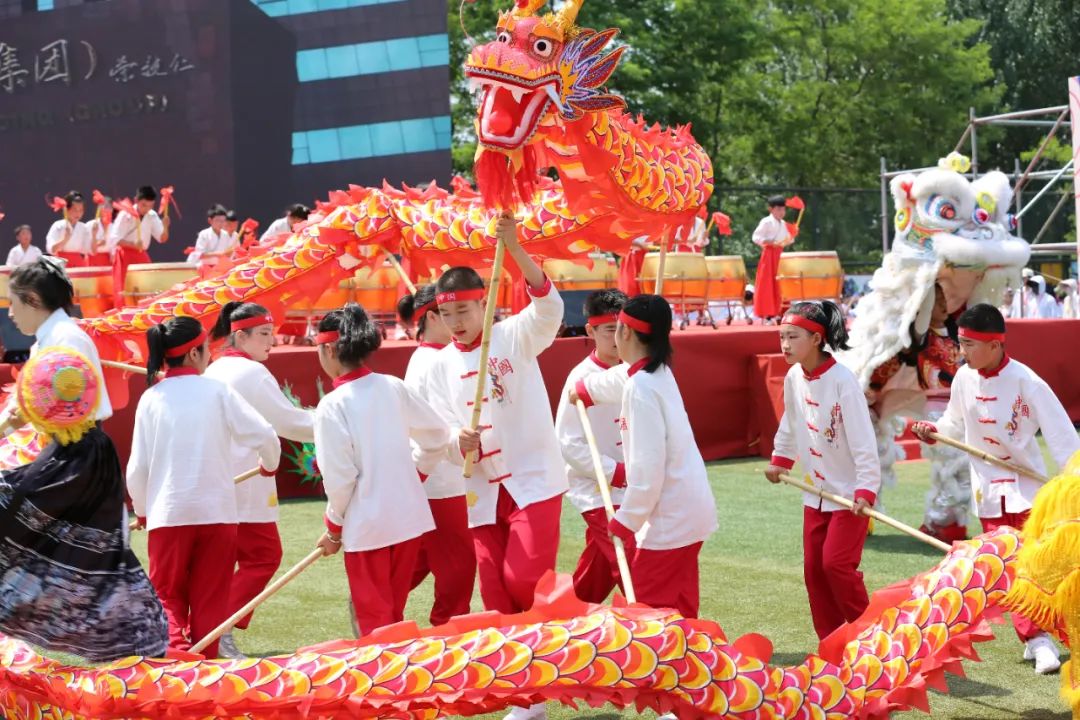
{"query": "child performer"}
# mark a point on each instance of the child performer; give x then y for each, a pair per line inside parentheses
(41, 296)
(248, 331)
(447, 551)
(518, 482)
(997, 406)
(597, 572)
(69, 581)
(69, 238)
(131, 237)
(826, 424)
(213, 242)
(376, 507)
(180, 480)
(101, 250)
(666, 483)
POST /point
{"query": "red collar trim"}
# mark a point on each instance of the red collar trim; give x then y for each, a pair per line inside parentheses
(348, 377)
(821, 369)
(599, 363)
(637, 366)
(235, 352)
(471, 346)
(436, 346)
(181, 371)
(996, 371)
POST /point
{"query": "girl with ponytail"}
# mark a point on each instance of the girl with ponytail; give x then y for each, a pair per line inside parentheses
(248, 332)
(181, 481)
(376, 506)
(447, 551)
(826, 425)
(668, 504)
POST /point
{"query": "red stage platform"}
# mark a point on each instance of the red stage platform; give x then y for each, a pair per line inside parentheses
(731, 379)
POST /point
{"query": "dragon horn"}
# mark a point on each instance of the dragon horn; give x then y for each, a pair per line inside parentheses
(567, 15)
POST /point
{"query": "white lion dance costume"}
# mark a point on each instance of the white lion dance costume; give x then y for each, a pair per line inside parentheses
(955, 234)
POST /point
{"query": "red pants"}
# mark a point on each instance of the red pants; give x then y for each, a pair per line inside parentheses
(1025, 628)
(74, 259)
(766, 288)
(832, 550)
(597, 572)
(513, 553)
(447, 553)
(258, 556)
(379, 583)
(668, 578)
(191, 568)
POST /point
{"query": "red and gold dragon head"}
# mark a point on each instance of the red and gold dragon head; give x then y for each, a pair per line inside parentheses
(540, 71)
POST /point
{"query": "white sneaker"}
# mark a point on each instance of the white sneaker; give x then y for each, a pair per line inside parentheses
(1044, 652)
(667, 716)
(535, 712)
(227, 648)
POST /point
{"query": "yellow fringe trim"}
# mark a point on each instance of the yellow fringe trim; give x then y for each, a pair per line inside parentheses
(1058, 500)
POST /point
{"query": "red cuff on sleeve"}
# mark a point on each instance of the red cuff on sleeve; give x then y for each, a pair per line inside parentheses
(618, 478)
(541, 291)
(331, 525)
(140, 521)
(781, 461)
(583, 394)
(866, 495)
(423, 477)
(266, 473)
(617, 529)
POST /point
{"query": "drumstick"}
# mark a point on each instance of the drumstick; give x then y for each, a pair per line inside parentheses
(400, 271)
(258, 600)
(123, 366)
(987, 457)
(485, 348)
(869, 512)
(605, 493)
(12, 421)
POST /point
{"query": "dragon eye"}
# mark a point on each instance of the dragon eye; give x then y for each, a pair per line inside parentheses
(941, 207)
(981, 216)
(503, 37)
(543, 47)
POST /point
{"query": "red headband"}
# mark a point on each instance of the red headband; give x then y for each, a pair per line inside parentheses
(327, 336)
(633, 323)
(804, 322)
(426, 308)
(597, 320)
(981, 336)
(182, 350)
(460, 296)
(251, 322)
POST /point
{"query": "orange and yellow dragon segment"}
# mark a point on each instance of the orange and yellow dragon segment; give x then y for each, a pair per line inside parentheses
(562, 650)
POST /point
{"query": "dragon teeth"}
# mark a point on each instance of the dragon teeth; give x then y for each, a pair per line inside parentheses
(550, 90)
(517, 92)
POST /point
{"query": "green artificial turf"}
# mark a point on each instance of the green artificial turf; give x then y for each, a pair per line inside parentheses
(751, 581)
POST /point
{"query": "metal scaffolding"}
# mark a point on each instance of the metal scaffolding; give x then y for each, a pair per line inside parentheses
(1026, 118)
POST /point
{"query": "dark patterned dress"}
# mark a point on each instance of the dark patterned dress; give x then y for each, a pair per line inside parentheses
(68, 579)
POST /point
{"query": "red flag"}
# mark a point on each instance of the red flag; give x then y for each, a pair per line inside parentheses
(58, 204)
(792, 229)
(247, 232)
(167, 199)
(1, 216)
(722, 222)
(126, 206)
(99, 197)
(795, 202)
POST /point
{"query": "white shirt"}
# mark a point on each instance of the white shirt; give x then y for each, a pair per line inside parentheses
(668, 502)
(999, 413)
(280, 226)
(827, 427)
(584, 492)
(125, 229)
(445, 480)
(180, 470)
(362, 431)
(209, 241)
(98, 232)
(771, 231)
(256, 498)
(17, 256)
(79, 241)
(517, 436)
